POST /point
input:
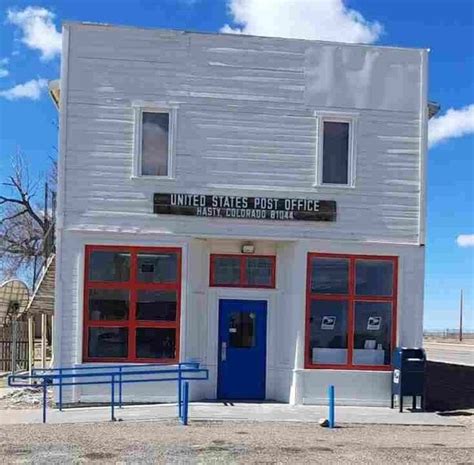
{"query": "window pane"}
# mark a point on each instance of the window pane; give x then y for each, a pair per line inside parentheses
(155, 129)
(372, 333)
(374, 277)
(109, 266)
(330, 275)
(108, 304)
(156, 343)
(156, 305)
(227, 271)
(259, 271)
(328, 332)
(242, 329)
(335, 152)
(108, 342)
(158, 268)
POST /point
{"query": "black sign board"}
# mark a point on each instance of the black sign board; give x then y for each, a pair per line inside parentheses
(245, 208)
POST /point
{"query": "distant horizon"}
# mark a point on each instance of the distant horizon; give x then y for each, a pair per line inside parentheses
(449, 330)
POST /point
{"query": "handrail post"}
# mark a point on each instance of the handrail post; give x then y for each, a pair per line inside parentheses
(185, 402)
(331, 405)
(45, 397)
(112, 416)
(120, 387)
(60, 389)
(180, 387)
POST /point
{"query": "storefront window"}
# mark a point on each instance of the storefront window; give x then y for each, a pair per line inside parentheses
(156, 305)
(108, 342)
(351, 311)
(108, 304)
(156, 343)
(374, 277)
(242, 271)
(132, 304)
(157, 268)
(328, 332)
(330, 275)
(109, 266)
(372, 335)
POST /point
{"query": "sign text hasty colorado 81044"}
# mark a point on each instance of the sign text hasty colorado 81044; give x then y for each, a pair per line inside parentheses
(243, 207)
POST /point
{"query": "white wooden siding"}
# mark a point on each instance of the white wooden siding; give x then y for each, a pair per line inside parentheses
(245, 126)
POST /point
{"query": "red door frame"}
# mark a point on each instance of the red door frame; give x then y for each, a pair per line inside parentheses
(351, 298)
(133, 286)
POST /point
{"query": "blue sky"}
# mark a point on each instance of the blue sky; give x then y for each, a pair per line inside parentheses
(29, 54)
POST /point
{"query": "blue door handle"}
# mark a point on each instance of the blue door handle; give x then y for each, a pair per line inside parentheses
(224, 351)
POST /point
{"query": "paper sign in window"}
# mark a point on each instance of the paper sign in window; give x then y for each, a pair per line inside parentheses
(328, 322)
(374, 323)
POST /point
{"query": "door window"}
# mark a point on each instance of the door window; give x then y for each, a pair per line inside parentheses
(242, 330)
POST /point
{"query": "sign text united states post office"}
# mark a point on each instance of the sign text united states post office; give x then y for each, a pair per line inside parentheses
(244, 207)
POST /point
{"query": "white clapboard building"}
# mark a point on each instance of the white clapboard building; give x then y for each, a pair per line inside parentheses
(253, 204)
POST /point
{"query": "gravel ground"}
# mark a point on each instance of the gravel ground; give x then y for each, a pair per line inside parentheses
(234, 442)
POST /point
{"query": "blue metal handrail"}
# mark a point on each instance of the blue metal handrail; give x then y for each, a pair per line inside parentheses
(120, 368)
(55, 376)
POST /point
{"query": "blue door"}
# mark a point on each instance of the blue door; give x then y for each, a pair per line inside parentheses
(242, 349)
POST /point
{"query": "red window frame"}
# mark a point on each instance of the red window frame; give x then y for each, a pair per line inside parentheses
(351, 298)
(133, 286)
(243, 274)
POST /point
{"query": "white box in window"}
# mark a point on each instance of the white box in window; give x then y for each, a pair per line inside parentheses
(368, 357)
(329, 356)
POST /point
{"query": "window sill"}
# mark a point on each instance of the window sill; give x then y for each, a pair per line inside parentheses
(334, 186)
(239, 286)
(349, 368)
(153, 178)
(124, 361)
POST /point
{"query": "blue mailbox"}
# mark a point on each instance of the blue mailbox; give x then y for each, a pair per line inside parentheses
(408, 375)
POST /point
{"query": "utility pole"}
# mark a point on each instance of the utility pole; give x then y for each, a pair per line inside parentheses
(460, 319)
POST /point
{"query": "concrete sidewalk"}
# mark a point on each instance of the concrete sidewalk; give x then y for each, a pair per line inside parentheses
(210, 411)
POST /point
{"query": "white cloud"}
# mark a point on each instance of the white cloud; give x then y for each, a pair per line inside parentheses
(3, 70)
(38, 30)
(301, 19)
(465, 240)
(29, 90)
(454, 123)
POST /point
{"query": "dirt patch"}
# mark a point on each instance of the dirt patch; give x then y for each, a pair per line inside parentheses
(99, 456)
(25, 398)
(232, 443)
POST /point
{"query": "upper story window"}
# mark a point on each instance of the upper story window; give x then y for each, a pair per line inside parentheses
(154, 141)
(335, 159)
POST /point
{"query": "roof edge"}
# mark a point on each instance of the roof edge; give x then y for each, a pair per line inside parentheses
(214, 33)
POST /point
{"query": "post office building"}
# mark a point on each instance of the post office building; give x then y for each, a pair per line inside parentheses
(253, 204)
